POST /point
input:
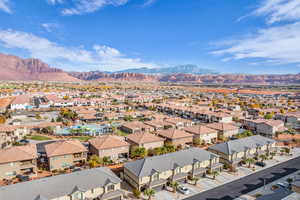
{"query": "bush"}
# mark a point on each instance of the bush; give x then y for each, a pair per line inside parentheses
(136, 193)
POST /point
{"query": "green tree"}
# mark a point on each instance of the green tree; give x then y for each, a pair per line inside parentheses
(272, 154)
(139, 152)
(215, 174)
(197, 141)
(268, 116)
(106, 160)
(195, 180)
(263, 157)
(149, 193)
(174, 185)
(249, 161)
(136, 193)
(94, 161)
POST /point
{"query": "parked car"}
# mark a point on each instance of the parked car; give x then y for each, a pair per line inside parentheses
(183, 189)
(284, 185)
(261, 164)
(24, 141)
(76, 169)
(23, 178)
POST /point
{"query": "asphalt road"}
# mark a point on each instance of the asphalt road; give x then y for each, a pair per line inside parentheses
(249, 183)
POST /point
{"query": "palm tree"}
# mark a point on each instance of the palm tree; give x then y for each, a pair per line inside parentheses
(249, 161)
(174, 185)
(195, 179)
(149, 193)
(215, 174)
(263, 157)
(94, 160)
(272, 154)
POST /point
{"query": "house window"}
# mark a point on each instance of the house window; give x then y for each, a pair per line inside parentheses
(177, 170)
(77, 155)
(155, 177)
(110, 188)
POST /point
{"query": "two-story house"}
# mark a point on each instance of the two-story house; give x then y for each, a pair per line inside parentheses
(18, 160)
(64, 154)
(203, 133)
(234, 151)
(91, 184)
(110, 146)
(176, 136)
(146, 140)
(155, 172)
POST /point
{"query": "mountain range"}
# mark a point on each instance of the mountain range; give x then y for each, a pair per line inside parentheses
(181, 69)
(16, 68)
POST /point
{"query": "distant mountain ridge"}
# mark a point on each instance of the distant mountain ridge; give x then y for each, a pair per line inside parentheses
(18, 69)
(179, 69)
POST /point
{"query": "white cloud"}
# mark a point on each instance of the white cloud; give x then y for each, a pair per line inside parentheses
(4, 6)
(279, 45)
(54, 2)
(89, 6)
(274, 44)
(149, 3)
(49, 27)
(100, 58)
(279, 10)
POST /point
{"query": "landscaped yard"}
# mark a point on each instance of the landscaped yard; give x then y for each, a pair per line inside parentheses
(82, 138)
(39, 137)
(120, 133)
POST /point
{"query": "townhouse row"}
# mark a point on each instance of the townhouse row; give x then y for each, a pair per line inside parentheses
(151, 172)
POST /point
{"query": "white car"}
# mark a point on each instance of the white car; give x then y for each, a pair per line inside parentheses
(183, 189)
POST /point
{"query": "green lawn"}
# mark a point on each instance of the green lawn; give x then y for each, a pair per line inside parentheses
(39, 137)
(120, 132)
(82, 138)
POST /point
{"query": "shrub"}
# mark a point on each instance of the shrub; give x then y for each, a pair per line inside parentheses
(136, 193)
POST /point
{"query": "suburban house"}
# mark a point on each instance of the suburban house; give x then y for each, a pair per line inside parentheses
(203, 133)
(18, 160)
(64, 154)
(269, 128)
(146, 140)
(234, 151)
(292, 119)
(176, 136)
(179, 122)
(91, 184)
(136, 127)
(155, 172)
(10, 134)
(221, 117)
(21, 102)
(157, 124)
(225, 130)
(110, 146)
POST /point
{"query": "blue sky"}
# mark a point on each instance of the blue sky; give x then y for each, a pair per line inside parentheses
(229, 36)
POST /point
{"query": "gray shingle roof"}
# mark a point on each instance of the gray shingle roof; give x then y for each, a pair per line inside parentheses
(240, 145)
(57, 186)
(145, 167)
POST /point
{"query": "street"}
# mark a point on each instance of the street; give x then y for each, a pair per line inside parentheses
(245, 185)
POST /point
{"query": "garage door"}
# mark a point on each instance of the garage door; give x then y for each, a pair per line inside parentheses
(181, 180)
(116, 198)
(158, 188)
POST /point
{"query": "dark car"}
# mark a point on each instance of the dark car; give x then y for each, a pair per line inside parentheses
(261, 164)
(24, 141)
(23, 178)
